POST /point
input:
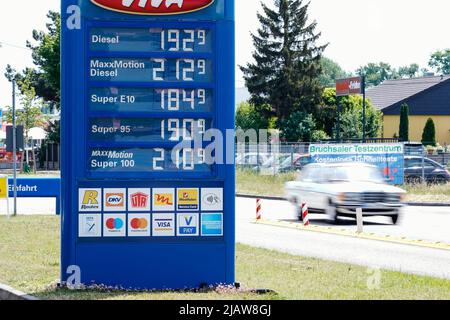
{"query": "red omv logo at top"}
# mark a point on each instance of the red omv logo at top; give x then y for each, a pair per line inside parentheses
(153, 7)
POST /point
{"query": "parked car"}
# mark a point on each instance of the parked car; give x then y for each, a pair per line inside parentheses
(252, 159)
(284, 163)
(273, 164)
(300, 161)
(338, 190)
(434, 172)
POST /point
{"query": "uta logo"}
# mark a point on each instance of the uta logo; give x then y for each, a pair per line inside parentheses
(153, 7)
(153, 3)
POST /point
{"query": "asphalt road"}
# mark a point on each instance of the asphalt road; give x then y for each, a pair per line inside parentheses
(424, 223)
(417, 223)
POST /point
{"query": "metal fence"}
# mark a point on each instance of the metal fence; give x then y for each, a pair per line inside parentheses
(46, 158)
(292, 157)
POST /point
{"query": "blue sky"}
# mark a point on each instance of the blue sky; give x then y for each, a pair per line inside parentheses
(399, 32)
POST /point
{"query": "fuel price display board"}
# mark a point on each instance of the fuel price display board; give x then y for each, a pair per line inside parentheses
(143, 83)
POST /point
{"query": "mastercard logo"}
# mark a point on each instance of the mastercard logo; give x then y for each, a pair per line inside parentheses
(114, 224)
(139, 224)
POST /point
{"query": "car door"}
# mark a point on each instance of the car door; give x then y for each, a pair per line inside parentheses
(304, 185)
(313, 188)
(413, 168)
(433, 170)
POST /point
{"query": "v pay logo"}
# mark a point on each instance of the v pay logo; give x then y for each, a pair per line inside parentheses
(188, 225)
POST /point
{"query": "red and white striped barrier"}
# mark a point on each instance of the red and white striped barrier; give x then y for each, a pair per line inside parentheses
(258, 209)
(305, 214)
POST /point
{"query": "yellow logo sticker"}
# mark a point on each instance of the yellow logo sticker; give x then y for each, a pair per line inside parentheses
(188, 199)
(165, 199)
(90, 200)
(4, 188)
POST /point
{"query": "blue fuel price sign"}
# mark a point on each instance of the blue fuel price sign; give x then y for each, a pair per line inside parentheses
(144, 82)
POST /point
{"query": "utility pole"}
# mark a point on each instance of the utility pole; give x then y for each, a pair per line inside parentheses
(364, 108)
(14, 146)
(338, 126)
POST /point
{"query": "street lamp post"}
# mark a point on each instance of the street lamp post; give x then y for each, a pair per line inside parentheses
(14, 146)
(364, 128)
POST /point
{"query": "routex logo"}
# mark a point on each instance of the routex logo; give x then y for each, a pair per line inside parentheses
(90, 199)
(139, 200)
(153, 7)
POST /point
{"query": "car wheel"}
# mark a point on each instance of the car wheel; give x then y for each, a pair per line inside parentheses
(440, 180)
(299, 214)
(395, 218)
(414, 180)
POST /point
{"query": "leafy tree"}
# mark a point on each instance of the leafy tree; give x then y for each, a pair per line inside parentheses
(248, 117)
(54, 131)
(330, 72)
(299, 127)
(429, 133)
(287, 65)
(327, 111)
(45, 79)
(440, 60)
(351, 116)
(351, 120)
(319, 135)
(410, 71)
(376, 73)
(404, 123)
(30, 115)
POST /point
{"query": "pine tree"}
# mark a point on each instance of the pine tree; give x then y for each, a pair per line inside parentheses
(287, 65)
(404, 123)
(429, 133)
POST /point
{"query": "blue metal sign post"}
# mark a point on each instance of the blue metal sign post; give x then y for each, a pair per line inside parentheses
(136, 211)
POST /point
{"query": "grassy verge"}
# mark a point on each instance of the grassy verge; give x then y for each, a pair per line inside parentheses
(29, 261)
(248, 182)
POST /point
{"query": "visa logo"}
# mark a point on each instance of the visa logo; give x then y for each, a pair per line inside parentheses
(164, 224)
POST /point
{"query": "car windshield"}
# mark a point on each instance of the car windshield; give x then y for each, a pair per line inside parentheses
(362, 174)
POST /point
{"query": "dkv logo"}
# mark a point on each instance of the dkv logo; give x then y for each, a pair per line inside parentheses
(114, 199)
(153, 7)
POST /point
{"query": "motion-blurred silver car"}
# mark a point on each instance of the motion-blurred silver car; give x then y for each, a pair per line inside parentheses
(338, 190)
